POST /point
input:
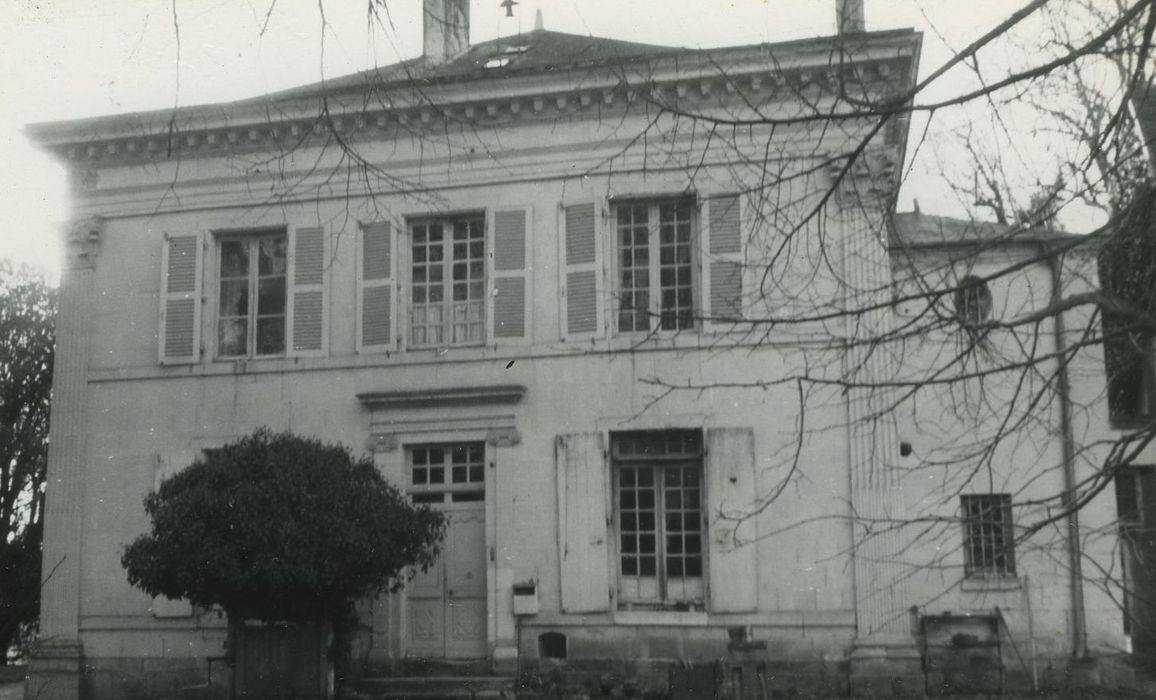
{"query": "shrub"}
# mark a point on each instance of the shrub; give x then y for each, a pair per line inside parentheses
(279, 527)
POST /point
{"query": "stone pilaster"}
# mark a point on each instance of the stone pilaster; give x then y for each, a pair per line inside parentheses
(885, 658)
(386, 619)
(56, 660)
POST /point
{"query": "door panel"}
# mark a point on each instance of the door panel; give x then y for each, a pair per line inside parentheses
(447, 604)
(427, 612)
(466, 585)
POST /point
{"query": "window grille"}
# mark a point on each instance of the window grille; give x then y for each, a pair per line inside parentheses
(988, 539)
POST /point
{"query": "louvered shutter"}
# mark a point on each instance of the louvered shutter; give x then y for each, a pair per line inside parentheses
(723, 262)
(509, 300)
(180, 328)
(730, 482)
(582, 279)
(583, 504)
(307, 309)
(377, 288)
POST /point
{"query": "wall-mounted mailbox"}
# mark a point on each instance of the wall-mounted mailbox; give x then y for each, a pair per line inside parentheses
(526, 598)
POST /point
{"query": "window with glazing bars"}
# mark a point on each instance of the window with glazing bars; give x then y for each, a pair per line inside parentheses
(656, 280)
(447, 281)
(448, 472)
(659, 513)
(251, 294)
(988, 536)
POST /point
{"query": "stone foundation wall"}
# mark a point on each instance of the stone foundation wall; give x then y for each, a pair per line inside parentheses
(735, 677)
(155, 679)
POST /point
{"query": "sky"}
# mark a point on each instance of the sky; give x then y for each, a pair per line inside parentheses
(67, 59)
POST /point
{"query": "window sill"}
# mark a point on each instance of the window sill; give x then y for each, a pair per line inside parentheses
(669, 618)
(1130, 422)
(1005, 583)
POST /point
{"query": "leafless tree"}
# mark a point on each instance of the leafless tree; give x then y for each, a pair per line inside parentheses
(903, 333)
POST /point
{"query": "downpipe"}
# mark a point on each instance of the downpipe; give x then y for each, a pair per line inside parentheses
(1067, 446)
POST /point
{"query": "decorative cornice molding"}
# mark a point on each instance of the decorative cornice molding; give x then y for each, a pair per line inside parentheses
(143, 138)
(83, 239)
(441, 398)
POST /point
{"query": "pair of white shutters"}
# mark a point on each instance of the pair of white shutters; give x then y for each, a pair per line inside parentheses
(585, 303)
(507, 270)
(586, 522)
(182, 275)
(508, 245)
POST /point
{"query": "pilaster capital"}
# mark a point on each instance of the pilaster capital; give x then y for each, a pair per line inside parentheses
(382, 443)
(504, 437)
(82, 241)
(870, 182)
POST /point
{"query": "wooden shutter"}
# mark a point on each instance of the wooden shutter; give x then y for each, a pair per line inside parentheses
(308, 330)
(582, 310)
(731, 488)
(180, 329)
(509, 302)
(583, 498)
(377, 288)
(723, 262)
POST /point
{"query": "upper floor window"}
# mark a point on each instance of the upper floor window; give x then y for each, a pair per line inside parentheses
(972, 301)
(1130, 359)
(252, 274)
(1129, 497)
(448, 281)
(988, 536)
(655, 265)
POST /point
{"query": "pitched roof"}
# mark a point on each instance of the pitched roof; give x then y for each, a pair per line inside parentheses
(500, 70)
(918, 230)
(532, 52)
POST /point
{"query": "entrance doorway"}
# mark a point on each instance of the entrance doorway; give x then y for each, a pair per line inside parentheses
(447, 603)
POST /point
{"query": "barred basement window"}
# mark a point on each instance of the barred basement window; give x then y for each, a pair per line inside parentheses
(453, 472)
(988, 536)
(447, 283)
(658, 510)
(252, 296)
(656, 280)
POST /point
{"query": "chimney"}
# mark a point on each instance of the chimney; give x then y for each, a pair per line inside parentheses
(445, 29)
(849, 17)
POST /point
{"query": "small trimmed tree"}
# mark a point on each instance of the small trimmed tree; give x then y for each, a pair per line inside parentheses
(277, 527)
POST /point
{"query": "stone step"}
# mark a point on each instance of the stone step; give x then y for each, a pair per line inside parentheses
(436, 687)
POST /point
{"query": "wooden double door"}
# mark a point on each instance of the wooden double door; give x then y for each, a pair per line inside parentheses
(447, 603)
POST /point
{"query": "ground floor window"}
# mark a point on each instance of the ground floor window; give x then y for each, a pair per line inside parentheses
(988, 536)
(658, 510)
(452, 472)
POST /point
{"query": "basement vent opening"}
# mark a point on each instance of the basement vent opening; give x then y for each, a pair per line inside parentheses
(552, 645)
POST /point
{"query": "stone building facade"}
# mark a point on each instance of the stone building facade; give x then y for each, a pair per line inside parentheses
(493, 268)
